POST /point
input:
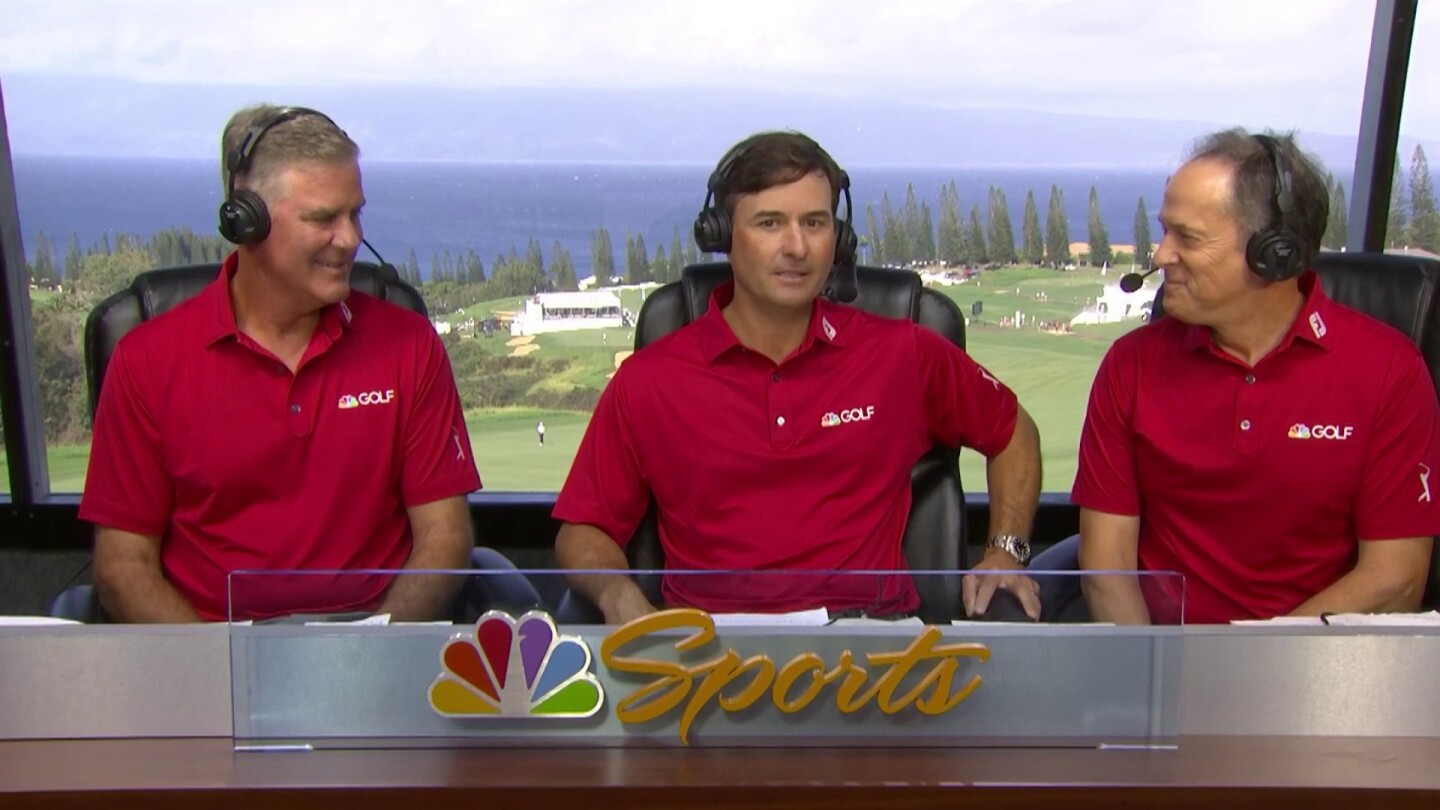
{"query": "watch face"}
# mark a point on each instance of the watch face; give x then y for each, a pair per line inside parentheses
(1014, 546)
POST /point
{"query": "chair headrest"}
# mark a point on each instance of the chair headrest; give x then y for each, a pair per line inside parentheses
(155, 292)
(883, 291)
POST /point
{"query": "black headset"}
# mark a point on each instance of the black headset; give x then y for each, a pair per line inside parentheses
(713, 229)
(1275, 252)
(244, 219)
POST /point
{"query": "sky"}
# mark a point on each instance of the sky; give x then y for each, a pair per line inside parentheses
(1281, 63)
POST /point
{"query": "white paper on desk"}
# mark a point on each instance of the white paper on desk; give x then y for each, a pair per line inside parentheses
(1431, 619)
(866, 621)
(33, 621)
(993, 623)
(377, 619)
(819, 617)
(1312, 621)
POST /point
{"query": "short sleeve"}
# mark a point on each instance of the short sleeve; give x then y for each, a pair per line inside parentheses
(607, 487)
(1106, 479)
(127, 484)
(965, 405)
(437, 461)
(1401, 481)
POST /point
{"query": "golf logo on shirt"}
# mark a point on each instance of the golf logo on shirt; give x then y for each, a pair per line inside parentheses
(348, 401)
(847, 416)
(1337, 433)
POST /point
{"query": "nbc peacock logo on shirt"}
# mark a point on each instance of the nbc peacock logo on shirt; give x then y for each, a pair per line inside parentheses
(1299, 431)
(349, 401)
(515, 668)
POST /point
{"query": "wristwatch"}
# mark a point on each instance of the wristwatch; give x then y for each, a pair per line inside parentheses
(1014, 545)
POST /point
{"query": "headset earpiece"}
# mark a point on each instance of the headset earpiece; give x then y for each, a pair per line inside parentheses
(712, 226)
(1275, 252)
(244, 219)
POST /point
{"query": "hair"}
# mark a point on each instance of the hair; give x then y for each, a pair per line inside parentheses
(303, 139)
(768, 159)
(1252, 186)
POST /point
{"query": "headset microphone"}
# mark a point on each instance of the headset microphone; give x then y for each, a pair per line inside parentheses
(1130, 282)
(384, 265)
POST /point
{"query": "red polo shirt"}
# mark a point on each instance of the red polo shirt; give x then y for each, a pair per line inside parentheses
(207, 441)
(1256, 483)
(802, 465)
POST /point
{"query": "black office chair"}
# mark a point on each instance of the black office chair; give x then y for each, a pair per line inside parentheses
(1397, 289)
(155, 292)
(935, 533)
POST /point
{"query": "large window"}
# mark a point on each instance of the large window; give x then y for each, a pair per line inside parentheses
(1015, 153)
(1413, 225)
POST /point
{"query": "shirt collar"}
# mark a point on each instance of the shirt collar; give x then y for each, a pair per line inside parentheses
(827, 322)
(1311, 324)
(333, 320)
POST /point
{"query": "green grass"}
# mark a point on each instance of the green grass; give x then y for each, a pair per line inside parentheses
(1051, 374)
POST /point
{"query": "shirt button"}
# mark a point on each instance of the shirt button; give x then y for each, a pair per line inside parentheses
(1244, 424)
(780, 420)
(1249, 379)
(775, 377)
(294, 407)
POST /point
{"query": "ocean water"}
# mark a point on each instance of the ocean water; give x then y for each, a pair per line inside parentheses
(431, 207)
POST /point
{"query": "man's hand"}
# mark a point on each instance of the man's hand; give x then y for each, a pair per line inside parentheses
(976, 591)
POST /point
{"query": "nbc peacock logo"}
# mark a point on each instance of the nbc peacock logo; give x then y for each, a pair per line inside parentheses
(513, 668)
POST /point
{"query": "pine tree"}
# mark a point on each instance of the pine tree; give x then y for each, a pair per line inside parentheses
(412, 268)
(925, 239)
(73, 257)
(1337, 224)
(660, 266)
(895, 239)
(976, 237)
(872, 232)
(43, 269)
(912, 224)
(1002, 233)
(1057, 231)
(602, 256)
(1143, 248)
(637, 261)
(562, 268)
(632, 265)
(952, 235)
(1100, 254)
(534, 256)
(1395, 223)
(1033, 248)
(677, 255)
(1424, 219)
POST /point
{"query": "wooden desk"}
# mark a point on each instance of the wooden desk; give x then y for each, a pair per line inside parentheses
(1308, 772)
